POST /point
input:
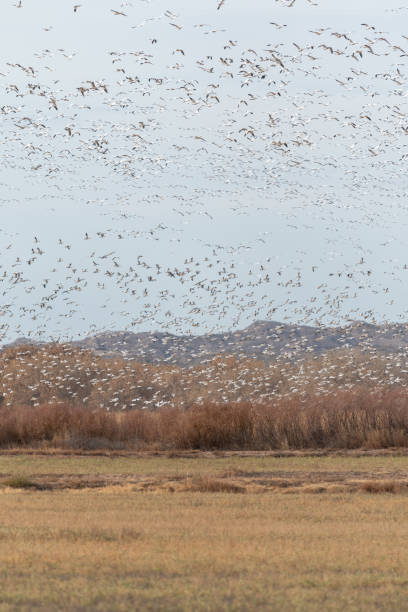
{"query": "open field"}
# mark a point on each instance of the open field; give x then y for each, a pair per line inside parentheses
(203, 531)
(252, 471)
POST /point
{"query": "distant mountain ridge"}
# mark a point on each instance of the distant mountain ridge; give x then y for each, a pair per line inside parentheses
(265, 340)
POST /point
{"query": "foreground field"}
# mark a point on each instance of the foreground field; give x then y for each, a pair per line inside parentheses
(329, 537)
(251, 471)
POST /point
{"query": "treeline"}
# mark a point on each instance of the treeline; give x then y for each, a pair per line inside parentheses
(344, 419)
(54, 373)
(59, 396)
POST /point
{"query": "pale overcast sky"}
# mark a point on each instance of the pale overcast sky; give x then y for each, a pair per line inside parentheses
(267, 143)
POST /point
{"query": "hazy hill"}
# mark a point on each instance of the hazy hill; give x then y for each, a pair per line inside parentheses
(262, 340)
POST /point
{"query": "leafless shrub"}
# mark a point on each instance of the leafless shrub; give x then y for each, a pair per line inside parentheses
(344, 419)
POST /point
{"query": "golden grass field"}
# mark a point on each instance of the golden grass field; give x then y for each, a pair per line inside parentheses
(226, 531)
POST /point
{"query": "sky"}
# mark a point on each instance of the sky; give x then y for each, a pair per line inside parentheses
(192, 170)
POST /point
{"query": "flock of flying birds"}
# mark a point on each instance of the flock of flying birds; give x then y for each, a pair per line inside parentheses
(163, 173)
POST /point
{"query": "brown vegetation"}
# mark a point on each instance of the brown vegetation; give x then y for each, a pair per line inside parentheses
(18, 482)
(381, 486)
(344, 419)
(206, 484)
(64, 397)
(36, 375)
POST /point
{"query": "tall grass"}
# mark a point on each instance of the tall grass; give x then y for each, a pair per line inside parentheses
(344, 419)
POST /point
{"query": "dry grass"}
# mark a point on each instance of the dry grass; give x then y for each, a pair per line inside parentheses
(206, 473)
(121, 550)
(18, 481)
(206, 484)
(161, 533)
(189, 465)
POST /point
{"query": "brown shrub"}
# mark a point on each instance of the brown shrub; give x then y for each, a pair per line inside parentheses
(380, 486)
(344, 419)
(215, 426)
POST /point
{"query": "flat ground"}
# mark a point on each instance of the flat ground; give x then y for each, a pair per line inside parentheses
(204, 532)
